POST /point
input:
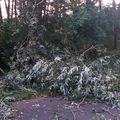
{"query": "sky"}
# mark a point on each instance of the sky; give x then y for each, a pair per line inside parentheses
(110, 1)
(3, 8)
(105, 2)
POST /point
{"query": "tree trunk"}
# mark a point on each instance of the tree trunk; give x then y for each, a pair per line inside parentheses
(114, 26)
(20, 6)
(9, 9)
(15, 7)
(12, 9)
(100, 4)
(1, 19)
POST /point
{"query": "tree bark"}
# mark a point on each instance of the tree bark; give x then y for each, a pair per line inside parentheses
(100, 4)
(12, 13)
(1, 18)
(114, 30)
(15, 7)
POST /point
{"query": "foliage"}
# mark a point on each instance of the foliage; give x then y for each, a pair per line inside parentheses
(73, 25)
(76, 80)
(18, 95)
(6, 97)
(32, 40)
(7, 43)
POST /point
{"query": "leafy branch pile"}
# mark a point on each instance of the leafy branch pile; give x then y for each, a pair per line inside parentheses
(41, 43)
(75, 79)
(5, 110)
(69, 76)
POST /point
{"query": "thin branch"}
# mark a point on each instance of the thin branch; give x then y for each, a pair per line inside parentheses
(108, 111)
(74, 116)
(2, 70)
(86, 51)
(36, 4)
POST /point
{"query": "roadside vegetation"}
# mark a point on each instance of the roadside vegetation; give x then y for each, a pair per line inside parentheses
(69, 48)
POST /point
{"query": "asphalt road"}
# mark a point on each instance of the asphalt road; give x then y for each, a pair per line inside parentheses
(57, 108)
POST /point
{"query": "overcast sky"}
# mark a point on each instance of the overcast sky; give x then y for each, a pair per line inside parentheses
(104, 2)
(110, 1)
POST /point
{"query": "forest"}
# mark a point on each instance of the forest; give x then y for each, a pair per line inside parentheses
(59, 48)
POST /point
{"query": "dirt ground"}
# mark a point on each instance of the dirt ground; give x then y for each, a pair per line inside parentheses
(57, 108)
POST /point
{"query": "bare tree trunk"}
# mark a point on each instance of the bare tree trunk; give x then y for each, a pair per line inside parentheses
(15, 8)
(8, 9)
(1, 19)
(20, 6)
(12, 13)
(100, 4)
(114, 30)
(45, 4)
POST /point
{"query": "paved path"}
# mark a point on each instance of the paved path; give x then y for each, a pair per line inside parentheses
(56, 108)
